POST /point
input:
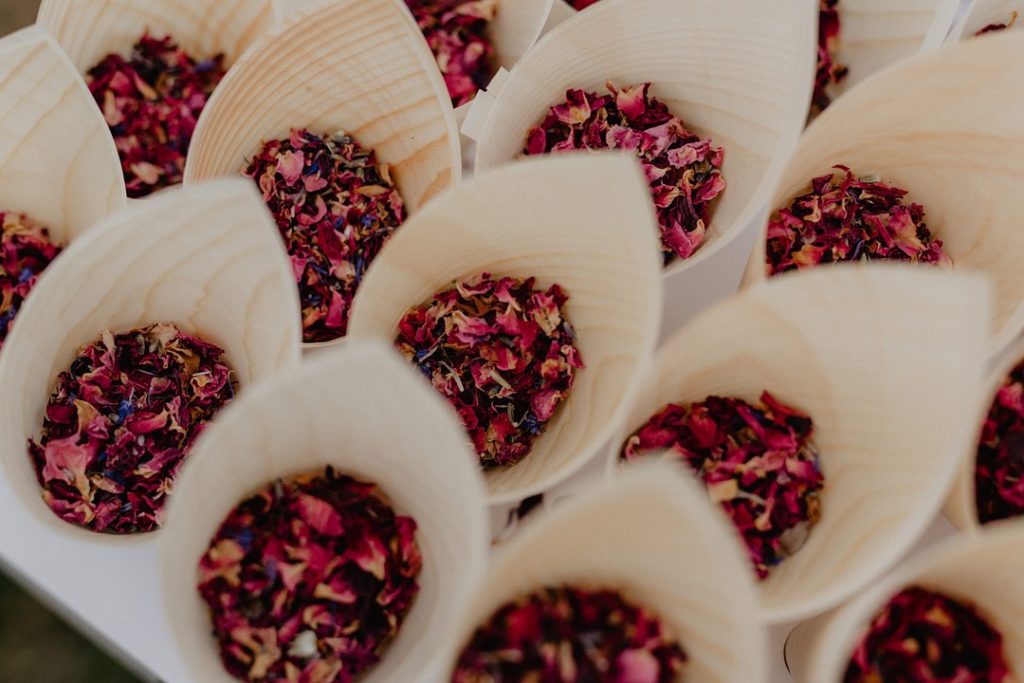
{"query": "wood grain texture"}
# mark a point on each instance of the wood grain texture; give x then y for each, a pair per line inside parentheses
(735, 71)
(58, 163)
(652, 536)
(207, 258)
(359, 66)
(985, 12)
(983, 569)
(88, 30)
(360, 408)
(887, 361)
(962, 161)
(584, 222)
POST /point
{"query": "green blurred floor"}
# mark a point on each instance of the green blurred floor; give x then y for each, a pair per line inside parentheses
(35, 645)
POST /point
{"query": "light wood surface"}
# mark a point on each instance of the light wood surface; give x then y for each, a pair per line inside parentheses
(985, 12)
(358, 66)
(58, 163)
(359, 408)
(584, 222)
(983, 569)
(653, 537)
(887, 361)
(91, 29)
(963, 161)
(207, 258)
(735, 71)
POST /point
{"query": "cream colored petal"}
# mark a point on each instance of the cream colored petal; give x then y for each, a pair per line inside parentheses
(361, 410)
(207, 258)
(887, 361)
(584, 222)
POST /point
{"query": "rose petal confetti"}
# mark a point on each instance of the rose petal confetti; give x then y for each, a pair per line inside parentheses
(846, 218)
(926, 637)
(757, 461)
(502, 353)
(829, 71)
(999, 468)
(570, 635)
(309, 580)
(25, 252)
(683, 169)
(991, 28)
(581, 4)
(457, 32)
(151, 102)
(121, 421)
(336, 206)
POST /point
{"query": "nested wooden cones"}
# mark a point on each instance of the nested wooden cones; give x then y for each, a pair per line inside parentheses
(359, 409)
(583, 222)
(887, 362)
(961, 161)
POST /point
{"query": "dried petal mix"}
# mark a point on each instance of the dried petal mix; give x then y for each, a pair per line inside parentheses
(25, 250)
(151, 102)
(457, 32)
(120, 423)
(998, 27)
(757, 461)
(309, 580)
(683, 169)
(582, 4)
(570, 635)
(846, 218)
(829, 71)
(999, 469)
(504, 355)
(925, 637)
(335, 206)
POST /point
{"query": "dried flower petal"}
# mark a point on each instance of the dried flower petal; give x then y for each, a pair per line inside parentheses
(569, 635)
(683, 169)
(335, 206)
(151, 102)
(757, 461)
(998, 27)
(309, 580)
(502, 353)
(120, 423)
(999, 469)
(925, 637)
(582, 4)
(846, 218)
(25, 251)
(457, 32)
(829, 71)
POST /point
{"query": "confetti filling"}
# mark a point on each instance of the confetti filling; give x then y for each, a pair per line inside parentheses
(120, 423)
(846, 218)
(582, 4)
(999, 469)
(926, 637)
(683, 169)
(25, 250)
(151, 102)
(309, 580)
(829, 71)
(998, 27)
(758, 462)
(457, 32)
(568, 635)
(335, 206)
(502, 353)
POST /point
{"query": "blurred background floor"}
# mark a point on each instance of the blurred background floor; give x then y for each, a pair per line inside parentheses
(35, 645)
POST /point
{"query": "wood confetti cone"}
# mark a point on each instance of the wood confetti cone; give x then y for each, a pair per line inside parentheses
(583, 222)
(983, 570)
(887, 362)
(360, 409)
(206, 258)
(960, 161)
(653, 537)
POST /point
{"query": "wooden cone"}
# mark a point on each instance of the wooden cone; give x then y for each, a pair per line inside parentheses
(584, 222)
(360, 409)
(887, 361)
(983, 13)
